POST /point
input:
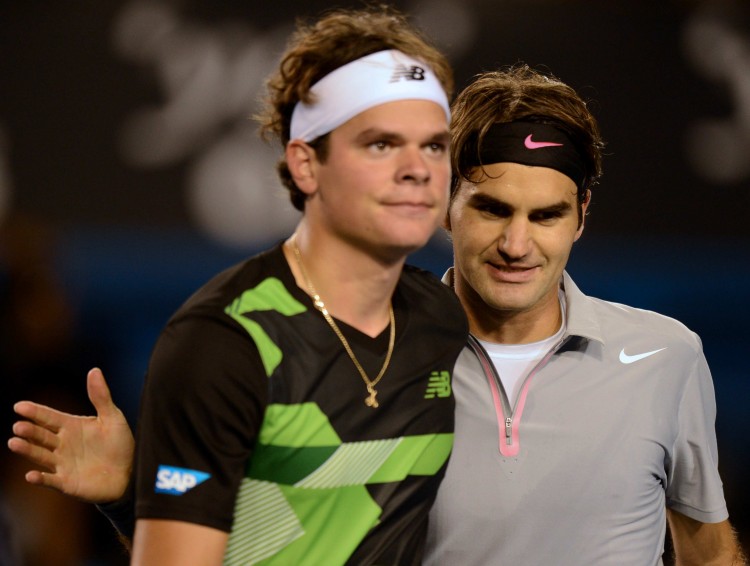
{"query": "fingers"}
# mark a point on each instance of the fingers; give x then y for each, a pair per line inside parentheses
(35, 477)
(36, 435)
(45, 479)
(99, 394)
(42, 415)
(37, 455)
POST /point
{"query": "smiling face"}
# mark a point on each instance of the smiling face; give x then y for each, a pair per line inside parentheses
(513, 230)
(383, 186)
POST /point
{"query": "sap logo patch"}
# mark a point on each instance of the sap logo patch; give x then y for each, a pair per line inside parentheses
(177, 481)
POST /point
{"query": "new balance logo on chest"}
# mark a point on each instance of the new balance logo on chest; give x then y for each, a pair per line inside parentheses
(438, 385)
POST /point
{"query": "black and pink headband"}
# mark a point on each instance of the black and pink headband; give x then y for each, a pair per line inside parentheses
(531, 143)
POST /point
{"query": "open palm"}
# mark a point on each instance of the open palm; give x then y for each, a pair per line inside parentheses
(89, 457)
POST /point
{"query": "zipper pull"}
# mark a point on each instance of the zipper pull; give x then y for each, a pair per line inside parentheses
(508, 431)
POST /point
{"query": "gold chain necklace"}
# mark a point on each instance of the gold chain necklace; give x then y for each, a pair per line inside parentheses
(371, 400)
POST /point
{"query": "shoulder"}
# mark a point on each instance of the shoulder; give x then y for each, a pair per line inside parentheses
(634, 323)
(230, 284)
(434, 312)
(613, 323)
(420, 284)
(210, 325)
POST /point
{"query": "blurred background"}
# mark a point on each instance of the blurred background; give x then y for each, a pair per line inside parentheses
(130, 172)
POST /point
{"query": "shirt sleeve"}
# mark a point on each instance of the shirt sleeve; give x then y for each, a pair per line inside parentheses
(695, 488)
(201, 410)
(121, 513)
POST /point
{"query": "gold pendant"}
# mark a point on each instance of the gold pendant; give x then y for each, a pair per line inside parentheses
(371, 401)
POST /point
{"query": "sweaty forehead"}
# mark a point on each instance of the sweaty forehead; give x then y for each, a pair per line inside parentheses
(405, 118)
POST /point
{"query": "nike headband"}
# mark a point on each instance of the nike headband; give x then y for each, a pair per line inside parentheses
(531, 143)
(375, 79)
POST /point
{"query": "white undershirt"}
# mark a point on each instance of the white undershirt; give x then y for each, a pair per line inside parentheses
(513, 362)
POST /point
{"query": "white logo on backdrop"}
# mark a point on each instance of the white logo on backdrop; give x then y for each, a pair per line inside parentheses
(718, 147)
(210, 78)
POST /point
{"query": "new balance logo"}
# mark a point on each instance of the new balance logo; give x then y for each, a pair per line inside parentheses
(177, 481)
(439, 385)
(412, 73)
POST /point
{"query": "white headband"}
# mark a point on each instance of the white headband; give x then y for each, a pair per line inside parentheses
(375, 79)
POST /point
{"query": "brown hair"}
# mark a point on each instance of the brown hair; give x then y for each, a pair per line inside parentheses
(318, 48)
(521, 93)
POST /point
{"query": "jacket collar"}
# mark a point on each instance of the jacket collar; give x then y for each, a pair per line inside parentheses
(581, 318)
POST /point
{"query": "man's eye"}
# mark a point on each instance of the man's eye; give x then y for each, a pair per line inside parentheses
(492, 210)
(546, 216)
(380, 145)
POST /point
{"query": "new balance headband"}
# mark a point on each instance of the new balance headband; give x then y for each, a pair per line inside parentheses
(375, 79)
(530, 143)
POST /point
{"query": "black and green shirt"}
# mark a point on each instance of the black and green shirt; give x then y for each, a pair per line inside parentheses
(253, 420)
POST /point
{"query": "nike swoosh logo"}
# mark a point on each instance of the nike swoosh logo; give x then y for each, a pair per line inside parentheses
(624, 358)
(531, 144)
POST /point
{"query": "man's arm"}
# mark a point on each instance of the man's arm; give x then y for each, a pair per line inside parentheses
(89, 458)
(161, 542)
(704, 544)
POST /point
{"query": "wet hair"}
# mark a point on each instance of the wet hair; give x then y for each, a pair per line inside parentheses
(521, 93)
(320, 47)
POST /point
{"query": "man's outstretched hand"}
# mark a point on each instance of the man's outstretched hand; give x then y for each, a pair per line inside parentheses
(89, 458)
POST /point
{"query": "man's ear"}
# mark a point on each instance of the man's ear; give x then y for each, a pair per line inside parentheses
(452, 192)
(447, 219)
(583, 208)
(301, 159)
